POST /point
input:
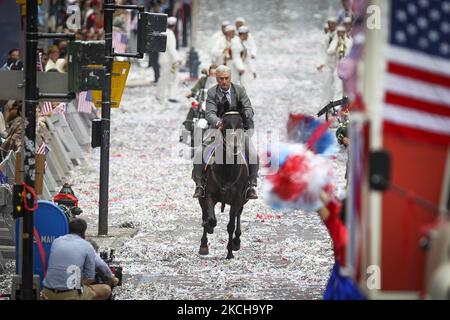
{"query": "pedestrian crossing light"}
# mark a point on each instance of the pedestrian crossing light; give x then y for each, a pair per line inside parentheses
(86, 70)
(151, 32)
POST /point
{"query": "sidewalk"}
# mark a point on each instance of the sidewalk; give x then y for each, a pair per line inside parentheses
(114, 240)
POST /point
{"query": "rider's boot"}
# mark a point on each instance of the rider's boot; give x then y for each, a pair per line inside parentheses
(197, 176)
(251, 190)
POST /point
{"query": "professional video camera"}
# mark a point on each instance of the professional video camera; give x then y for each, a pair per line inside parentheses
(341, 115)
(68, 202)
(330, 108)
(113, 266)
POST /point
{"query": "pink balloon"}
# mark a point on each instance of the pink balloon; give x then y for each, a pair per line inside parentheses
(359, 7)
(346, 68)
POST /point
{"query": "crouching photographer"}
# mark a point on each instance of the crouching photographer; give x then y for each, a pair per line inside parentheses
(71, 268)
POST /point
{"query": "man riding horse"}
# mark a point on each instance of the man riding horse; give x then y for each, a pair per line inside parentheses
(223, 97)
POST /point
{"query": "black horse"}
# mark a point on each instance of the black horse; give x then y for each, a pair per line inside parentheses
(226, 183)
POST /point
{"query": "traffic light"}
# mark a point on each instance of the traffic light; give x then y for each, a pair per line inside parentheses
(150, 38)
(86, 70)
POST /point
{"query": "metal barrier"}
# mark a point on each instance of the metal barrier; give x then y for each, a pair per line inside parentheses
(68, 138)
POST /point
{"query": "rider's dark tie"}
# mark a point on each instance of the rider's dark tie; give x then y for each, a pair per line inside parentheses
(225, 95)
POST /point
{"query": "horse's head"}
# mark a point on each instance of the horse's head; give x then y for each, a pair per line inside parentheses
(233, 130)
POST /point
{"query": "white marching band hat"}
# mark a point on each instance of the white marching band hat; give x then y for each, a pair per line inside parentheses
(240, 19)
(230, 28)
(348, 20)
(171, 21)
(243, 29)
(340, 28)
(332, 19)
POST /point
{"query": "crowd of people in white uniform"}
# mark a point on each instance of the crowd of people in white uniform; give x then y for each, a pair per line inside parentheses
(234, 46)
(336, 44)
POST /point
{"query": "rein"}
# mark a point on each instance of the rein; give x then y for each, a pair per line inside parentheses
(239, 144)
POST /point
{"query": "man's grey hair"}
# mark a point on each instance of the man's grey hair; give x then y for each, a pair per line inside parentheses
(223, 69)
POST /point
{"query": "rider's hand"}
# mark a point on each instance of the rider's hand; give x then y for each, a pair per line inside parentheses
(219, 125)
(114, 281)
(346, 141)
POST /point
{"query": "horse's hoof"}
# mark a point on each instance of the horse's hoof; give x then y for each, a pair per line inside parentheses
(203, 251)
(236, 244)
(230, 256)
(212, 222)
(209, 229)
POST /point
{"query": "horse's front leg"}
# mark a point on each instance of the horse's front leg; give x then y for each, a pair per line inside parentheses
(210, 222)
(204, 241)
(236, 245)
(230, 228)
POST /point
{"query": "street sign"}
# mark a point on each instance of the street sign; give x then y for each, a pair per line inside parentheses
(119, 78)
(50, 223)
(150, 38)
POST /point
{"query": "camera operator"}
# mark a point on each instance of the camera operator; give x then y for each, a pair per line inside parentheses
(71, 268)
(102, 269)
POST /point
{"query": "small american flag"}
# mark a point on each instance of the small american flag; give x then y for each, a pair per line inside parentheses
(417, 89)
(47, 107)
(39, 66)
(85, 101)
(119, 41)
(43, 149)
(61, 108)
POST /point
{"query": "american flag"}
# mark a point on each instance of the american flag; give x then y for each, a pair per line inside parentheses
(85, 101)
(43, 149)
(417, 86)
(61, 108)
(47, 107)
(39, 66)
(119, 41)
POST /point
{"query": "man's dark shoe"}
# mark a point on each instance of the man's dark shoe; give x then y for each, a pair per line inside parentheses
(173, 100)
(199, 192)
(251, 193)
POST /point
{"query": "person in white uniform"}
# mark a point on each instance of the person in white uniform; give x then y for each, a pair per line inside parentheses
(222, 48)
(218, 35)
(241, 68)
(169, 63)
(250, 42)
(338, 49)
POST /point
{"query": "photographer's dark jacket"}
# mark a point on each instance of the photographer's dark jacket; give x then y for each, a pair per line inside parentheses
(215, 107)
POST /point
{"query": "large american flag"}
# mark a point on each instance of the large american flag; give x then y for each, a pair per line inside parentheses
(85, 102)
(417, 86)
(119, 41)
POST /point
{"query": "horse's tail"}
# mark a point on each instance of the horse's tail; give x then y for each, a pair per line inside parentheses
(222, 208)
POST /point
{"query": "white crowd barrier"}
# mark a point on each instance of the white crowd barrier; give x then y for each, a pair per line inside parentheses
(68, 138)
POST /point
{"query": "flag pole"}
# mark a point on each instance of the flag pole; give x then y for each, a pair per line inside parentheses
(373, 94)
